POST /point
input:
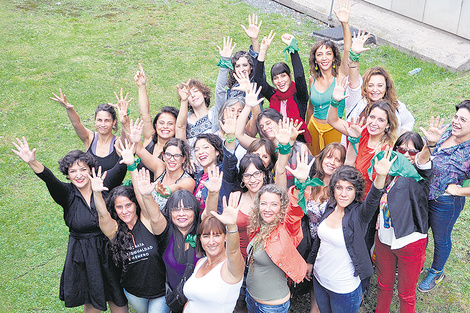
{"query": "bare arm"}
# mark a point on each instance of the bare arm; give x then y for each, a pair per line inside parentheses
(144, 104)
(332, 116)
(253, 31)
(356, 47)
(181, 120)
(344, 8)
(213, 185)
(251, 101)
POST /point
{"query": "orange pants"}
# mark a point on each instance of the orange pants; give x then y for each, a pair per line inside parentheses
(322, 135)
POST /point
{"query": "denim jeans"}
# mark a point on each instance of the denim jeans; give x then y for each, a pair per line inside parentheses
(329, 301)
(143, 305)
(256, 307)
(443, 212)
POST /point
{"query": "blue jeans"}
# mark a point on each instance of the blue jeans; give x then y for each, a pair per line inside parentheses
(443, 212)
(256, 307)
(329, 301)
(143, 305)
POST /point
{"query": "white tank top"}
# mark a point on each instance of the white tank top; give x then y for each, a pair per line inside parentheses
(210, 293)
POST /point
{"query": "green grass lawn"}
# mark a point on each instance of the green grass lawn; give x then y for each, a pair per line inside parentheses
(91, 49)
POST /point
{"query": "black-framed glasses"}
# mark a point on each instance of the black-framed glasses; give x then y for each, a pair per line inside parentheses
(256, 175)
(176, 156)
(411, 152)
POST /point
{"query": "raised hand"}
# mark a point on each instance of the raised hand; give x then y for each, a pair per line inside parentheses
(295, 131)
(359, 39)
(227, 47)
(23, 150)
(161, 189)
(283, 135)
(214, 182)
(122, 106)
(143, 184)
(356, 127)
(97, 179)
(230, 214)
(251, 97)
(435, 130)
(230, 122)
(344, 8)
(127, 153)
(287, 38)
(302, 169)
(253, 26)
(266, 42)
(382, 167)
(140, 77)
(62, 99)
(135, 131)
(183, 90)
(339, 91)
(243, 80)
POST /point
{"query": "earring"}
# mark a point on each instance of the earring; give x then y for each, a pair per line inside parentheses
(242, 184)
(334, 66)
(316, 67)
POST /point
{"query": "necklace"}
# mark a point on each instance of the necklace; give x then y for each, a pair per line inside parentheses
(215, 261)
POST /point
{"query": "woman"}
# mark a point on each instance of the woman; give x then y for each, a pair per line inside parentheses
(326, 68)
(275, 231)
(134, 246)
(340, 256)
(400, 244)
(171, 173)
(451, 166)
(89, 277)
(101, 143)
(376, 84)
(287, 97)
(265, 149)
(218, 276)
(365, 141)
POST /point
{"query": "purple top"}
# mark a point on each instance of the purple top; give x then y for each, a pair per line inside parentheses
(450, 165)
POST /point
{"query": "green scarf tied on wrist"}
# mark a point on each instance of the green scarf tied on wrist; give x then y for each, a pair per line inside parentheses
(353, 141)
(302, 186)
(191, 239)
(401, 166)
(225, 64)
(294, 46)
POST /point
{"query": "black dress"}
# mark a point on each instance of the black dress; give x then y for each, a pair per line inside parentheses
(89, 274)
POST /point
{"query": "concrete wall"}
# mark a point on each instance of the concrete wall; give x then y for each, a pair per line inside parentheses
(449, 15)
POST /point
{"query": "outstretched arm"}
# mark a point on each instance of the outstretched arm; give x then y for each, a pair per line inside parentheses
(122, 107)
(144, 104)
(181, 120)
(332, 116)
(344, 8)
(251, 100)
(213, 185)
(27, 155)
(253, 31)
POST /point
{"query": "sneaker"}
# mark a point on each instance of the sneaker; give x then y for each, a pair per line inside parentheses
(430, 282)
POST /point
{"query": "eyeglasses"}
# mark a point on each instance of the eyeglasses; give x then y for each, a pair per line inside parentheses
(256, 175)
(184, 209)
(411, 152)
(176, 156)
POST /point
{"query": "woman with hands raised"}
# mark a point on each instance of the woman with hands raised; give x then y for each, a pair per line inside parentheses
(218, 276)
(89, 277)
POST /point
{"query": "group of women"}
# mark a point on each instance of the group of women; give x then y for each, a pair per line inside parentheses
(231, 207)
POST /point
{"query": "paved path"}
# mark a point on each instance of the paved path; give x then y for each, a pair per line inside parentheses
(425, 42)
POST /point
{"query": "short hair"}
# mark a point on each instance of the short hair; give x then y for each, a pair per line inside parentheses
(107, 108)
(390, 92)
(205, 90)
(184, 148)
(351, 175)
(76, 156)
(270, 149)
(214, 141)
(245, 162)
(229, 103)
(414, 137)
(239, 54)
(166, 109)
(279, 68)
(465, 104)
(270, 113)
(208, 225)
(314, 69)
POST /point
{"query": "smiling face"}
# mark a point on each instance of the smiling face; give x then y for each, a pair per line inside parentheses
(331, 162)
(126, 210)
(282, 82)
(236, 109)
(104, 122)
(461, 124)
(376, 88)
(345, 193)
(269, 206)
(243, 67)
(377, 122)
(253, 178)
(264, 155)
(77, 173)
(182, 217)
(269, 127)
(324, 57)
(408, 149)
(165, 126)
(205, 153)
(173, 158)
(213, 244)
(196, 98)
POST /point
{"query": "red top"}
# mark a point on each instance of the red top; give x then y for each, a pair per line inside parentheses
(242, 222)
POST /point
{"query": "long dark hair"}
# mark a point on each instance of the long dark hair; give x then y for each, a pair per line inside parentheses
(245, 162)
(270, 113)
(166, 109)
(239, 54)
(314, 69)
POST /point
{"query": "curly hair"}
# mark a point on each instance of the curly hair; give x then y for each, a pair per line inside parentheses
(351, 175)
(76, 156)
(257, 222)
(314, 69)
(390, 135)
(390, 92)
(239, 54)
(205, 90)
(208, 225)
(122, 243)
(184, 148)
(214, 141)
(109, 109)
(166, 109)
(245, 162)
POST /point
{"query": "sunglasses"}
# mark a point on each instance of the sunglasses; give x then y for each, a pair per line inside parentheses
(411, 152)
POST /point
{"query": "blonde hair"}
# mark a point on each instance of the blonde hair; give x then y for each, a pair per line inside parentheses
(390, 93)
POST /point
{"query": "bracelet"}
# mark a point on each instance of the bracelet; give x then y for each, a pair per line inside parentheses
(225, 64)
(293, 47)
(302, 186)
(334, 103)
(353, 141)
(133, 166)
(230, 139)
(283, 149)
(354, 56)
(231, 232)
(169, 192)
